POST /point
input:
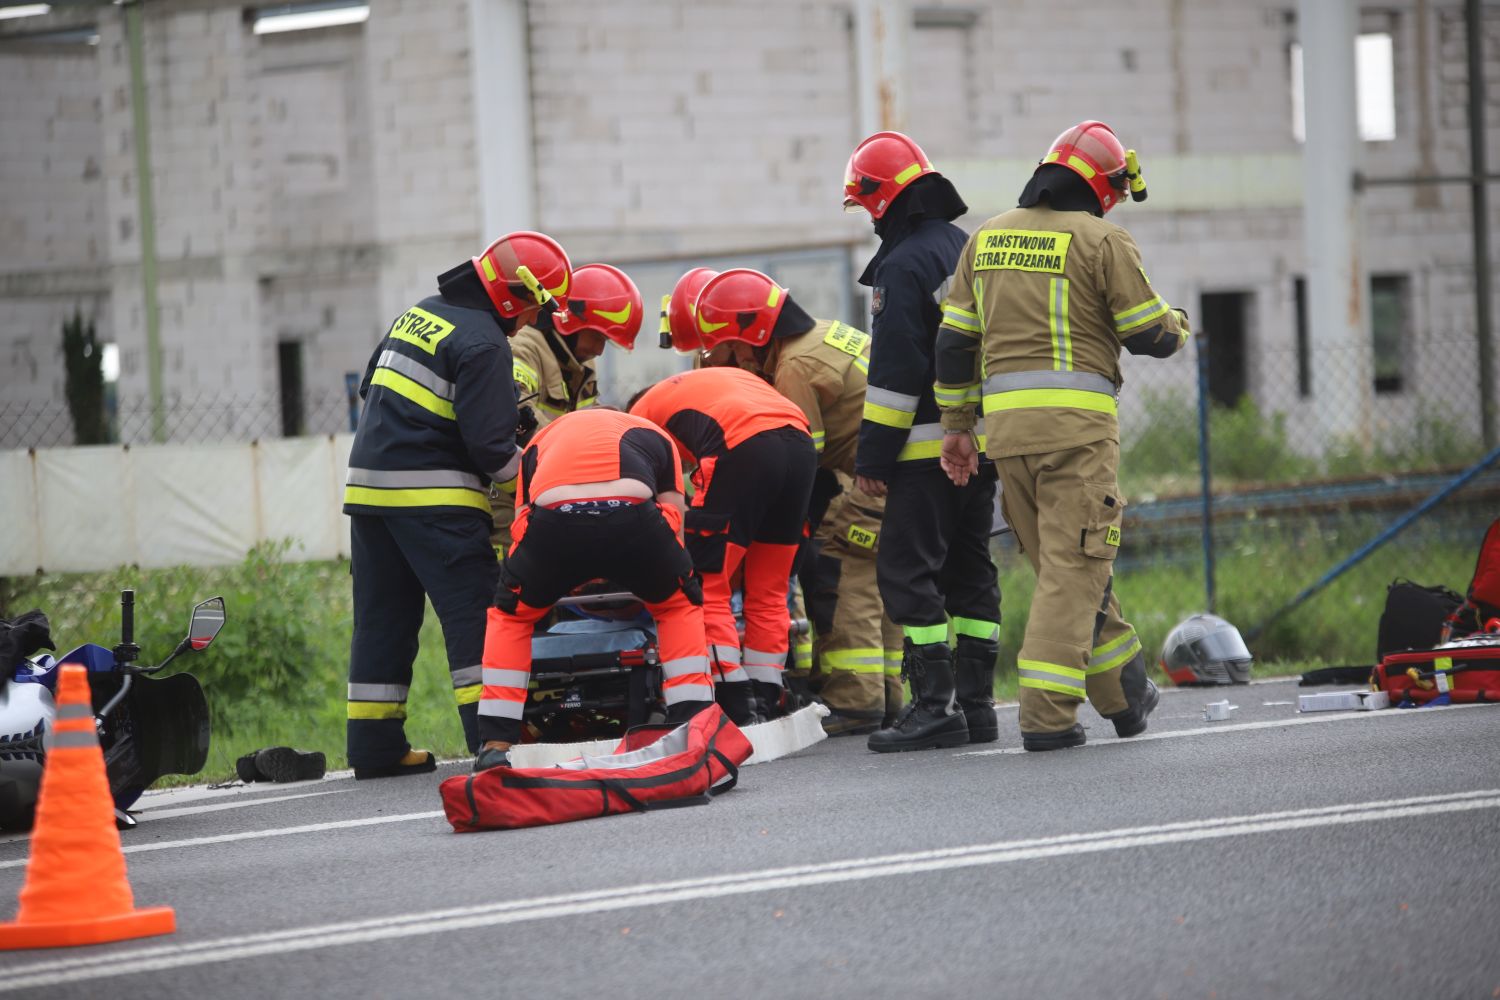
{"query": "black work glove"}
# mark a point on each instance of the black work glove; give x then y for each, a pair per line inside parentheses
(692, 588)
(507, 590)
(526, 423)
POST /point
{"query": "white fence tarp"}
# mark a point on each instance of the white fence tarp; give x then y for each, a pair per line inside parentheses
(96, 508)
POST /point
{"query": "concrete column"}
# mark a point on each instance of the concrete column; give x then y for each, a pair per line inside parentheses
(881, 30)
(1337, 282)
(503, 144)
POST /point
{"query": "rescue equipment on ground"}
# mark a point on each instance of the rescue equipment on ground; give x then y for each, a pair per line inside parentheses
(524, 269)
(76, 890)
(1218, 711)
(1206, 650)
(1091, 150)
(654, 767)
(1482, 600)
(879, 169)
(679, 327)
(1415, 616)
(739, 304)
(1462, 671)
(602, 298)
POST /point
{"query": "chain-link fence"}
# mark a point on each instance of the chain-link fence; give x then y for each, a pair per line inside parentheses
(184, 419)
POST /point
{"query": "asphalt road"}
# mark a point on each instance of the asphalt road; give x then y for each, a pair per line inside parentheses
(1270, 855)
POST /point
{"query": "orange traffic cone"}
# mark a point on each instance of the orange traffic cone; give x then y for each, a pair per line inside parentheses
(76, 891)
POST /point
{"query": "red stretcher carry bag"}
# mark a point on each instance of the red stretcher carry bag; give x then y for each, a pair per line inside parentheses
(654, 767)
(1467, 670)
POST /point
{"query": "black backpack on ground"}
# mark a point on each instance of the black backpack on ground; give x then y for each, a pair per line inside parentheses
(1413, 617)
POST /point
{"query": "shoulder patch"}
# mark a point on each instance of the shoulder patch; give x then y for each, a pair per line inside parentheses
(877, 300)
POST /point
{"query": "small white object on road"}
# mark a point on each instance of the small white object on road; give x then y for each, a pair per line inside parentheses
(1218, 711)
(1343, 701)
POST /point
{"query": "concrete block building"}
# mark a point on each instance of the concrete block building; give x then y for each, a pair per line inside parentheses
(307, 185)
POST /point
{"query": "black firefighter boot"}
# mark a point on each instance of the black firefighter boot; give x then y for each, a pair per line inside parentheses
(974, 672)
(931, 720)
(1141, 695)
(737, 698)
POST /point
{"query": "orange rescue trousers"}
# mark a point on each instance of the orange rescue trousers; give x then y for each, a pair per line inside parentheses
(633, 546)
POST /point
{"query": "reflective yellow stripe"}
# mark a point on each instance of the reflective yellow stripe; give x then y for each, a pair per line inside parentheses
(859, 661)
(1051, 677)
(886, 416)
(961, 319)
(1057, 322)
(419, 394)
(914, 451)
(893, 662)
(926, 635)
(976, 628)
(526, 375)
(469, 694)
(863, 364)
(1027, 399)
(1142, 314)
(1118, 660)
(1113, 644)
(819, 438)
(587, 401)
(908, 173)
(377, 710)
(946, 396)
(368, 497)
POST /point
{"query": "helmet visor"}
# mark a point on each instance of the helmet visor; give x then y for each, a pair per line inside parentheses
(1221, 644)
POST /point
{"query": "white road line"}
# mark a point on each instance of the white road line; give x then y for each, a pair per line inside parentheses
(158, 958)
(287, 831)
(155, 814)
(1314, 719)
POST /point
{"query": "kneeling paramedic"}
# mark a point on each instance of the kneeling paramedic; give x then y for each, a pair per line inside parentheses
(438, 427)
(1044, 298)
(935, 567)
(755, 465)
(554, 359)
(820, 365)
(600, 496)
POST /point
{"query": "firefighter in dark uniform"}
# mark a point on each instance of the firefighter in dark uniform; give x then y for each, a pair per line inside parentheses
(934, 561)
(554, 358)
(1044, 298)
(437, 429)
(820, 365)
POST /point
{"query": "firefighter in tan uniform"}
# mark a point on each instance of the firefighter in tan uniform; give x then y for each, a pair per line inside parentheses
(554, 360)
(746, 320)
(1044, 297)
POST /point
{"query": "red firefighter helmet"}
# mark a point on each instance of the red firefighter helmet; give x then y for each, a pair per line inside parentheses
(602, 298)
(541, 255)
(682, 322)
(739, 304)
(1091, 151)
(880, 168)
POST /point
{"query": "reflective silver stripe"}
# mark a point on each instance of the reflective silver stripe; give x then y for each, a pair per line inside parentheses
(468, 676)
(508, 471)
(942, 290)
(761, 657)
(413, 479)
(500, 677)
(378, 692)
(1086, 381)
(684, 665)
(768, 675)
(69, 740)
(731, 676)
(1053, 678)
(74, 712)
(925, 432)
(499, 708)
(417, 372)
(725, 654)
(892, 400)
(688, 692)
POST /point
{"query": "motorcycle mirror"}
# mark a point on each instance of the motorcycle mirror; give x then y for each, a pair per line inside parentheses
(208, 618)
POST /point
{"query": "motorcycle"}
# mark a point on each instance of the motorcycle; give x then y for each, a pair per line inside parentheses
(148, 727)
